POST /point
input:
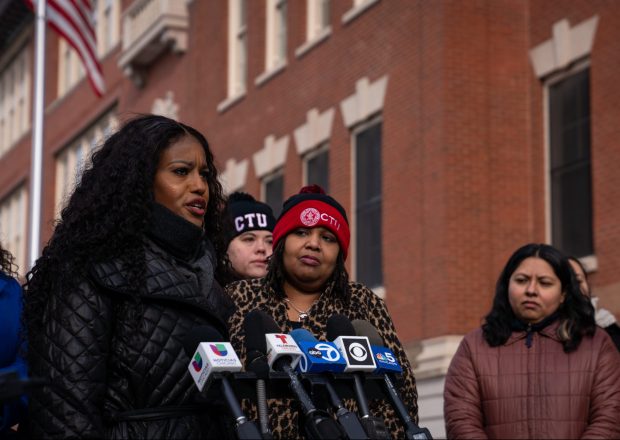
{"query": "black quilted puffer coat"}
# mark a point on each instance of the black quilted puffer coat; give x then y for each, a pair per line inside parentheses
(117, 367)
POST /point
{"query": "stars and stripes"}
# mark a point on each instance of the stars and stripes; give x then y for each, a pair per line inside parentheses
(73, 19)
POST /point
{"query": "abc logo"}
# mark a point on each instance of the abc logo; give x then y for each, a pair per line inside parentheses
(315, 353)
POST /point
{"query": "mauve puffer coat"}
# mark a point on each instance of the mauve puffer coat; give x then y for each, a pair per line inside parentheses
(537, 393)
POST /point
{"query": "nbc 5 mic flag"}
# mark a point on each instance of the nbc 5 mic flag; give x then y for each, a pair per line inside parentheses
(73, 19)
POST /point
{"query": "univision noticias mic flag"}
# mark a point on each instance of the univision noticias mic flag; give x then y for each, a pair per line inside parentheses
(212, 357)
(74, 21)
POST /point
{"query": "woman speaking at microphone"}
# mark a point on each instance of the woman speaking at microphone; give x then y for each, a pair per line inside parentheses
(306, 283)
(130, 269)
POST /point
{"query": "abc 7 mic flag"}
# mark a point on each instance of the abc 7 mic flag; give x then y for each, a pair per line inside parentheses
(323, 356)
(212, 357)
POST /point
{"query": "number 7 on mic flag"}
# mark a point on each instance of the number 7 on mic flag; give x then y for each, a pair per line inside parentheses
(73, 19)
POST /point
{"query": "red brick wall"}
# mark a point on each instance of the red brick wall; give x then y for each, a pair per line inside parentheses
(463, 135)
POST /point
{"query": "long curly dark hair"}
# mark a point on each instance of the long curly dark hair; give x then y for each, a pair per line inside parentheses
(276, 274)
(576, 314)
(7, 263)
(110, 210)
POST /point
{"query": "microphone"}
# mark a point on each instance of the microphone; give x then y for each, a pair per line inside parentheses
(355, 349)
(13, 385)
(317, 356)
(282, 355)
(339, 328)
(217, 356)
(256, 362)
(321, 357)
(384, 357)
(387, 366)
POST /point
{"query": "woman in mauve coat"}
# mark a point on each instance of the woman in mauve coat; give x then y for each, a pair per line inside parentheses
(538, 367)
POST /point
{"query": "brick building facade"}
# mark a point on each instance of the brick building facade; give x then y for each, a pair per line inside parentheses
(439, 119)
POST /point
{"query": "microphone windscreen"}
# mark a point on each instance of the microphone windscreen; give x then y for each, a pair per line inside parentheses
(254, 332)
(201, 333)
(269, 325)
(365, 328)
(339, 325)
(302, 335)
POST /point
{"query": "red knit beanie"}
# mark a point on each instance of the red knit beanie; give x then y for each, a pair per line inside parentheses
(312, 208)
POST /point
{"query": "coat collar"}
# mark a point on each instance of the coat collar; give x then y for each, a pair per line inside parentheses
(163, 282)
(550, 331)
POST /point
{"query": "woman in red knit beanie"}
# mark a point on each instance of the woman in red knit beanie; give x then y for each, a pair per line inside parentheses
(307, 283)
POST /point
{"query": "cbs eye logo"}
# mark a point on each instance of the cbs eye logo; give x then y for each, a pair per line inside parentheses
(358, 352)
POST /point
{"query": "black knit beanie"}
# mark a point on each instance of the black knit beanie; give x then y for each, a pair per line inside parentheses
(248, 214)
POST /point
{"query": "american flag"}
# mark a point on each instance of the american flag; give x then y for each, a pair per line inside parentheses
(73, 19)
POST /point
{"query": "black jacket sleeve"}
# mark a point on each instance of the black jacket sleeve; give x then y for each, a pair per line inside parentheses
(71, 351)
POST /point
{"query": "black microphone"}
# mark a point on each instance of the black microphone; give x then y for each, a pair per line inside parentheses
(318, 424)
(12, 386)
(256, 362)
(213, 356)
(317, 350)
(412, 430)
(337, 327)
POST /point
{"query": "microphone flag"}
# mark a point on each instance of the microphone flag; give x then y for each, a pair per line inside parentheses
(212, 357)
(385, 360)
(280, 345)
(357, 353)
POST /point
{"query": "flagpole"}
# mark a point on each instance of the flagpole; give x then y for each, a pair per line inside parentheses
(36, 167)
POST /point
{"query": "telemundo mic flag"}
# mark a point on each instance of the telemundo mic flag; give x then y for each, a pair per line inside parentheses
(73, 19)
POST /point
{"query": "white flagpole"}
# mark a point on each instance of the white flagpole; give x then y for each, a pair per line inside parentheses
(36, 167)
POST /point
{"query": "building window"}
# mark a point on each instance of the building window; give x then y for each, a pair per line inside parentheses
(318, 18)
(13, 223)
(273, 190)
(73, 159)
(316, 168)
(237, 47)
(14, 101)
(368, 201)
(569, 159)
(70, 68)
(276, 34)
(106, 21)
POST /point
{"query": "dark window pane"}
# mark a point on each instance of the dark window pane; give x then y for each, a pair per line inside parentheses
(274, 190)
(571, 192)
(317, 170)
(368, 204)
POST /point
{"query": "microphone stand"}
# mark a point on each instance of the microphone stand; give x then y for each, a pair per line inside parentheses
(373, 426)
(246, 429)
(319, 425)
(412, 430)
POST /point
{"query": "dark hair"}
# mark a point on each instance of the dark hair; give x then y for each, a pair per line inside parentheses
(111, 207)
(276, 274)
(576, 314)
(7, 263)
(583, 269)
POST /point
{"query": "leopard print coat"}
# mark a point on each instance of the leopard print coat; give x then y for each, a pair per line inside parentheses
(284, 418)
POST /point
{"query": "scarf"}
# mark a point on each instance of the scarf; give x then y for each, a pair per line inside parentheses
(173, 233)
